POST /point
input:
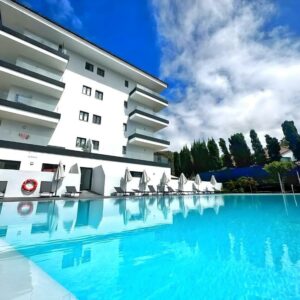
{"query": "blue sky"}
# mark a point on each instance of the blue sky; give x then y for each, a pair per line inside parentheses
(231, 65)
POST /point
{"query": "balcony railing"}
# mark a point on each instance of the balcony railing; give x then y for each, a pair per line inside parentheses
(146, 135)
(27, 72)
(142, 89)
(27, 108)
(149, 115)
(33, 42)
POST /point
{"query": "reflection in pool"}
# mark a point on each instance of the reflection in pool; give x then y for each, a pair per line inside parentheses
(177, 247)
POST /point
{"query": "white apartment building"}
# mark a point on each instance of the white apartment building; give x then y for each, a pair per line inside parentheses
(63, 98)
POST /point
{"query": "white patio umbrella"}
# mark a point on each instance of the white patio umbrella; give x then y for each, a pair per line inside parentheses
(58, 175)
(198, 180)
(144, 180)
(127, 177)
(181, 182)
(213, 180)
(88, 146)
(164, 180)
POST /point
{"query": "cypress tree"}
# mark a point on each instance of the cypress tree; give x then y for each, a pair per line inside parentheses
(200, 157)
(177, 166)
(240, 150)
(292, 136)
(186, 161)
(226, 157)
(215, 162)
(273, 147)
(259, 153)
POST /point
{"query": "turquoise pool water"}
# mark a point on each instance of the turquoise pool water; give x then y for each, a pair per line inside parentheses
(191, 247)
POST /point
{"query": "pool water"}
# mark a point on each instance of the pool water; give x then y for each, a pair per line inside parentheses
(175, 247)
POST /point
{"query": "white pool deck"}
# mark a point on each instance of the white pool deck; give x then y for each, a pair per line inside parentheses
(21, 279)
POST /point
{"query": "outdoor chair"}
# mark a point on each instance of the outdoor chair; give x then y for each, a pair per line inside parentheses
(72, 192)
(152, 189)
(120, 191)
(46, 189)
(3, 185)
(171, 190)
(140, 192)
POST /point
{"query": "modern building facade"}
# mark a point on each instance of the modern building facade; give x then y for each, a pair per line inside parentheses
(63, 98)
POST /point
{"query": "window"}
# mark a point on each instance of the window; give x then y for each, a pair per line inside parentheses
(89, 67)
(124, 127)
(125, 104)
(80, 142)
(95, 145)
(49, 167)
(126, 83)
(124, 149)
(99, 95)
(136, 174)
(10, 164)
(96, 119)
(86, 90)
(100, 72)
(83, 116)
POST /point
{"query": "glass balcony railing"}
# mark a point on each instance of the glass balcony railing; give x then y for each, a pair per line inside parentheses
(150, 92)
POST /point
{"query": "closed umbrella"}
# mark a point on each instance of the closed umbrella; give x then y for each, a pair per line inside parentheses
(88, 146)
(181, 182)
(164, 180)
(213, 180)
(144, 180)
(197, 180)
(58, 175)
(127, 177)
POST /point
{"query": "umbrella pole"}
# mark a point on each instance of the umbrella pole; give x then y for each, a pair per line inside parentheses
(56, 188)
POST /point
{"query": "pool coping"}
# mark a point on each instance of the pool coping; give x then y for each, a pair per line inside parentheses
(37, 285)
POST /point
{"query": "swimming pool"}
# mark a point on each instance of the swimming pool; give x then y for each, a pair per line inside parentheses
(176, 247)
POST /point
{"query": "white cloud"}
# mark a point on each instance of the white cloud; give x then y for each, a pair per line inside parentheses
(236, 75)
(63, 10)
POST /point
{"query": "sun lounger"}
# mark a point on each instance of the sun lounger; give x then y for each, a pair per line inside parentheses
(3, 185)
(136, 191)
(120, 191)
(152, 190)
(171, 190)
(46, 189)
(71, 191)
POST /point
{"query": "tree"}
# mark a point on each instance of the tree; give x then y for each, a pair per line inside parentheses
(200, 156)
(279, 167)
(273, 148)
(292, 136)
(186, 161)
(177, 165)
(240, 150)
(259, 153)
(226, 157)
(215, 162)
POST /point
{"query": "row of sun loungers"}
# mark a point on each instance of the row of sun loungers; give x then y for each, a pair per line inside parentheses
(160, 190)
(46, 190)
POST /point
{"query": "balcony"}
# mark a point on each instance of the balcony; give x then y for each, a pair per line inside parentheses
(15, 44)
(148, 98)
(146, 139)
(139, 115)
(24, 78)
(24, 113)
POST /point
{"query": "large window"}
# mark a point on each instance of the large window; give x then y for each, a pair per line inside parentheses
(96, 119)
(95, 145)
(136, 174)
(86, 90)
(100, 72)
(83, 116)
(49, 167)
(80, 142)
(99, 95)
(10, 164)
(89, 67)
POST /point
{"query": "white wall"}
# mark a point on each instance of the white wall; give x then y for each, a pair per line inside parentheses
(105, 177)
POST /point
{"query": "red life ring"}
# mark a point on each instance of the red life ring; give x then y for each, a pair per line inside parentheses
(25, 208)
(29, 185)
